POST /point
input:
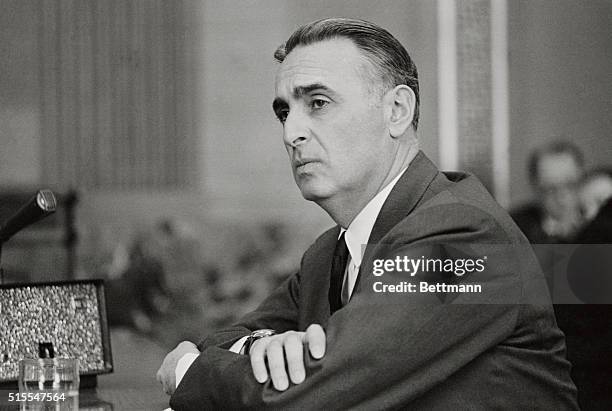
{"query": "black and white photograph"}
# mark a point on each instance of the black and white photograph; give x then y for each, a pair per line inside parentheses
(305, 205)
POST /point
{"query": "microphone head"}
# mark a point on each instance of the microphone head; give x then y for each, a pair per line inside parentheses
(46, 201)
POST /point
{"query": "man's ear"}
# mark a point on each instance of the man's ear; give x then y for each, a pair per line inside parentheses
(402, 102)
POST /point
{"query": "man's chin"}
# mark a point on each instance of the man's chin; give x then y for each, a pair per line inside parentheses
(311, 197)
(312, 192)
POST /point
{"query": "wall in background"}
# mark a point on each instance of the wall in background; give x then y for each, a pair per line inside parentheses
(19, 108)
(116, 109)
(560, 75)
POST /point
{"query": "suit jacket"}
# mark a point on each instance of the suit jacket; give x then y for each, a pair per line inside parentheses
(499, 349)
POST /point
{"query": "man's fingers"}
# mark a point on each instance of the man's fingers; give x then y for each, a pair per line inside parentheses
(276, 363)
(258, 362)
(273, 356)
(295, 358)
(315, 336)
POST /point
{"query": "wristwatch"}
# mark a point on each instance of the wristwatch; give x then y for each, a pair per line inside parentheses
(254, 336)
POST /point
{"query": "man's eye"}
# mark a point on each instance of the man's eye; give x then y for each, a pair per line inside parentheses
(282, 115)
(318, 103)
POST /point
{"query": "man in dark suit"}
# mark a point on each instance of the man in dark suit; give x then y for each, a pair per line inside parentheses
(360, 325)
(555, 172)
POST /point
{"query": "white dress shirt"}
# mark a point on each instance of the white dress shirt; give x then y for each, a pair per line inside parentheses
(356, 237)
(358, 232)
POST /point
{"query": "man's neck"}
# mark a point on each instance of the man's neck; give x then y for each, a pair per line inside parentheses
(344, 210)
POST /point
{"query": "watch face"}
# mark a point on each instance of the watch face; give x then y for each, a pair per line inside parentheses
(255, 335)
(262, 333)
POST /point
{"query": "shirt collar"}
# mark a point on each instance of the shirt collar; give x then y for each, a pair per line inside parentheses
(358, 232)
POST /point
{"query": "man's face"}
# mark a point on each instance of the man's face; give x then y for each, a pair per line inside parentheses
(334, 126)
(558, 179)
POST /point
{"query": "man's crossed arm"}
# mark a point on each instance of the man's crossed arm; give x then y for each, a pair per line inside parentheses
(279, 357)
(378, 349)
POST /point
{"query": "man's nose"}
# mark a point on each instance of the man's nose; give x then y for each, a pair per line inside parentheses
(295, 130)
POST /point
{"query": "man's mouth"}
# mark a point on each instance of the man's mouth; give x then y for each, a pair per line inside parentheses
(302, 162)
(303, 165)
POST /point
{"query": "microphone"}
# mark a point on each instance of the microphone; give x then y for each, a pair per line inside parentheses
(40, 206)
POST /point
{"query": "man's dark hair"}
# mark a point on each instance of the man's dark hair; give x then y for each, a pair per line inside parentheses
(387, 56)
(553, 148)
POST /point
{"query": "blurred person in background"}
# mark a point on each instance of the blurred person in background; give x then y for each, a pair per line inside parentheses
(137, 290)
(555, 173)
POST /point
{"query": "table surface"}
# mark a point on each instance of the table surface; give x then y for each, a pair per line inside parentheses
(103, 399)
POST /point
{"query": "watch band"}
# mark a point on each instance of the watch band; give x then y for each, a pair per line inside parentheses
(254, 336)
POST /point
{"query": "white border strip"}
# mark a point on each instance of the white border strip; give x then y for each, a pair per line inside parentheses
(447, 85)
(499, 98)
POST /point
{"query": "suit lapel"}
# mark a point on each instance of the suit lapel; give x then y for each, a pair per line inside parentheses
(315, 275)
(402, 200)
(316, 266)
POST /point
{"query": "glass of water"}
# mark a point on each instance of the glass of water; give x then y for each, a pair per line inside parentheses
(49, 384)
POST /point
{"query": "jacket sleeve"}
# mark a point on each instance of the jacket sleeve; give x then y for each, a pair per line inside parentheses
(384, 350)
(278, 311)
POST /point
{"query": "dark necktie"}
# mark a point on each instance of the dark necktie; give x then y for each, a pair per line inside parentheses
(341, 256)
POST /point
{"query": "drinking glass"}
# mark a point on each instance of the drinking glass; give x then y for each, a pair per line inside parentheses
(49, 384)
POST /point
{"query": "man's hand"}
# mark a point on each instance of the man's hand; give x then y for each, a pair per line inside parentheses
(166, 374)
(287, 346)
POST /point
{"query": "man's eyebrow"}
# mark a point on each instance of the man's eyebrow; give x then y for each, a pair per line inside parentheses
(301, 90)
(298, 92)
